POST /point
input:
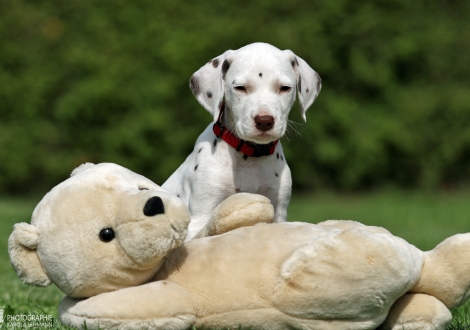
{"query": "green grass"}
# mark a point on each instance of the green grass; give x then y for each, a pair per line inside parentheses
(423, 219)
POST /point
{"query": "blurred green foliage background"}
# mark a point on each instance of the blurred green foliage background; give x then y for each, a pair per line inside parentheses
(107, 81)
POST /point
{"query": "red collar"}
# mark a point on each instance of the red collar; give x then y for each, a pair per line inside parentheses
(248, 148)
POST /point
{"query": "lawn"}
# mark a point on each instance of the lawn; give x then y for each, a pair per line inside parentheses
(423, 219)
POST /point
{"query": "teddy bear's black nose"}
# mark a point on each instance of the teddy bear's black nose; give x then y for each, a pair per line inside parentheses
(154, 206)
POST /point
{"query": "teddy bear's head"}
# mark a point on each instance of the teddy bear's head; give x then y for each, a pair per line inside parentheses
(103, 229)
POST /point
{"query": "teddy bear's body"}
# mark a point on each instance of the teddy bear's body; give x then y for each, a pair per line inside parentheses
(334, 275)
(270, 271)
(272, 276)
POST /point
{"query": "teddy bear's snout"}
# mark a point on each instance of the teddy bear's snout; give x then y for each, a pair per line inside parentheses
(148, 225)
(154, 206)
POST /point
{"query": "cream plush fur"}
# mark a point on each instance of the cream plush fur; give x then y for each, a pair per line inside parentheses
(335, 275)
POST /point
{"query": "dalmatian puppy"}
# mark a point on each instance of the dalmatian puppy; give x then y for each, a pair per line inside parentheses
(249, 93)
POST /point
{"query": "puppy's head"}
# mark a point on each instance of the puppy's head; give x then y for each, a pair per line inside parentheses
(259, 84)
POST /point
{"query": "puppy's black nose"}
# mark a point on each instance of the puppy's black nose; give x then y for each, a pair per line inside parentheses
(154, 206)
(264, 123)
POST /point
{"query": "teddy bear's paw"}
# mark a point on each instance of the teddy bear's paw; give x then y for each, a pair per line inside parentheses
(417, 312)
(240, 210)
(157, 305)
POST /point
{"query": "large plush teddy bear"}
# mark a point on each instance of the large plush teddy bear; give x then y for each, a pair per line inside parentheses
(112, 241)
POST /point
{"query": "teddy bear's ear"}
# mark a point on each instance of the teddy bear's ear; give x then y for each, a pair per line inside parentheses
(22, 246)
(81, 168)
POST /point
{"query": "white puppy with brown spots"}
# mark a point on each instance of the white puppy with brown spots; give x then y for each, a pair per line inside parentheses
(249, 93)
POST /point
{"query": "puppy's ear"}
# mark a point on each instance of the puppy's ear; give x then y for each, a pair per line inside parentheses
(207, 83)
(308, 82)
(24, 258)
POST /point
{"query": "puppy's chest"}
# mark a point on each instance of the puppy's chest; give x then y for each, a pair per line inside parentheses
(256, 175)
(222, 166)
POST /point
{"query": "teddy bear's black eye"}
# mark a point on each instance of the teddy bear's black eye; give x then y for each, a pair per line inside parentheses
(107, 235)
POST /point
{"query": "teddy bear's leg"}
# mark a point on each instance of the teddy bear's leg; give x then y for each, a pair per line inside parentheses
(239, 210)
(415, 311)
(445, 271)
(156, 305)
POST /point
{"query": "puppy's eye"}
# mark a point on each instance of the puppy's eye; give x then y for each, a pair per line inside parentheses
(107, 235)
(143, 188)
(284, 89)
(240, 88)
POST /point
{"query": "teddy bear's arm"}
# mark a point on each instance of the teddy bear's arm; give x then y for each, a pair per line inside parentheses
(156, 305)
(239, 210)
(417, 311)
(349, 273)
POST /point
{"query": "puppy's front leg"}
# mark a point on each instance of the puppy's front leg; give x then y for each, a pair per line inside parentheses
(280, 196)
